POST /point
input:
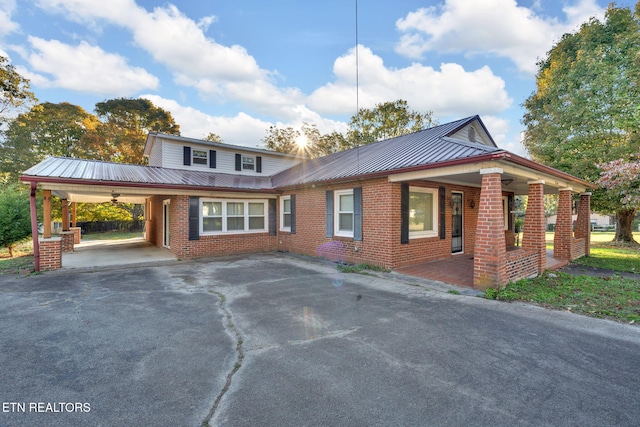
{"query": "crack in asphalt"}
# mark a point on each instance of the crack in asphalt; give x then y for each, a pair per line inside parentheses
(236, 366)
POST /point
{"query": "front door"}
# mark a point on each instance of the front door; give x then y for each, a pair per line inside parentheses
(456, 223)
(166, 237)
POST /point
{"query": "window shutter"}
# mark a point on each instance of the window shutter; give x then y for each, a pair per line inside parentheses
(187, 156)
(510, 202)
(272, 217)
(293, 214)
(238, 162)
(212, 159)
(404, 213)
(442, 196)
(259, 164)
(194, 218)
(329, 216)
(357, 213)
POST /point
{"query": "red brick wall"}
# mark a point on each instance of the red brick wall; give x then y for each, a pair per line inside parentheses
(521, 263)
(50, 254)
(68, 238)
(534, 237)
(563, 239)
(583, 225)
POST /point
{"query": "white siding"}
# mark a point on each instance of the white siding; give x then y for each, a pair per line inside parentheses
(155, 156)
(173, 157)
(481, 136)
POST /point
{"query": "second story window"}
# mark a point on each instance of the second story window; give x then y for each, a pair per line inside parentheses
(248, 163)
(199, 157)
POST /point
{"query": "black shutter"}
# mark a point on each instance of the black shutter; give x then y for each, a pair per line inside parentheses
(259, 164)
(186, 156)
(329, 216)
(510, 201)
(357, 213)
(194, 218)
(442, 196)
(272, 217)
(404, 213)
(238, 162)
(293, 214)
(212, 159)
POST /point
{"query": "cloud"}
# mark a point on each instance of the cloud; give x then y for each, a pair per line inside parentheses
(85, 68)
(493, 27)
(447, 91)
(7, 26)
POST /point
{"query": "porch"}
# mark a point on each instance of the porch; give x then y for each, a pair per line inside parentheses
(458, 269)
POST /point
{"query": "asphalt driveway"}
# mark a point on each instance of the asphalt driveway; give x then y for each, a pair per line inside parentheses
(279, 340)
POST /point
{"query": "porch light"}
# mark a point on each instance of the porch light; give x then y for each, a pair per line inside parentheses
(472, 203)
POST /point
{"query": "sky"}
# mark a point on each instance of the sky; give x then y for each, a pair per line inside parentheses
(235, 68)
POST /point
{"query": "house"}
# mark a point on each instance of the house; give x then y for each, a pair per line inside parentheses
(429, 195)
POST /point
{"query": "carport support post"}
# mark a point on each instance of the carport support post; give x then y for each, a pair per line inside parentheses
(534, 224)
(65, 214)
(490, 253)
(46, 215)
(34, 225)
(73, 214)
(563, 239)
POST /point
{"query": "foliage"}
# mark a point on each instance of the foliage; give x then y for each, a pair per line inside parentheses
(103, 212)
(584, 111)
(125, 125)
(213, 137)
(608, 297)
(46, 130)
(361, 268)
(15, 93)
(307, 141)
(15, 218)
(384, 121)
(622, 177)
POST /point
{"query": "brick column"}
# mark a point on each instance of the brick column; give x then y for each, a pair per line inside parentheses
(489, 262)
(563, 240)
(50, 254)
(534, 224)
(583, 224)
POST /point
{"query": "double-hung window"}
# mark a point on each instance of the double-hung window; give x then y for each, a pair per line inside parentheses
(423, 212)
(233, 216)
(344, 213)
(285, 213)
(199, 157)
(248, 163)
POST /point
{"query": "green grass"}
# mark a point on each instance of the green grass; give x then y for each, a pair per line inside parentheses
(111, 235)
(15, 265)
(613, 298)
(361, 268)
(613, 258)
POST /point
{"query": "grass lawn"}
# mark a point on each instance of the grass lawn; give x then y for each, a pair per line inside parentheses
(611, 297)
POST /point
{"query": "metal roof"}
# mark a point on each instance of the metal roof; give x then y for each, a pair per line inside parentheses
(85, 171)
(426, 147)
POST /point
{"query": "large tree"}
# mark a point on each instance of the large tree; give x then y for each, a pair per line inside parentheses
(15, 94)
(125, 125)
(46, 130)
(584, 111)
(15, 219)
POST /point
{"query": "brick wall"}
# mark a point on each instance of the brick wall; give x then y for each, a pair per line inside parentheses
(534, 237)
(563, 239)
(68, 238)
(521, 263)
(50, 254)
(77, 234)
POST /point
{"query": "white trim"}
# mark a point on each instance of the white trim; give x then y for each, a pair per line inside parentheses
(253, 162)
(491, 170)
(336, 213)
(166, 223)
(434, 217)
(539, 181)
(224, 216)
(282, 212)
(505, 212)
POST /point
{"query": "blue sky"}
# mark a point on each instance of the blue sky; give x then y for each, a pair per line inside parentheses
(236, 67)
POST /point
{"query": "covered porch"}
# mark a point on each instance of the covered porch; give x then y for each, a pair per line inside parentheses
(492, 260)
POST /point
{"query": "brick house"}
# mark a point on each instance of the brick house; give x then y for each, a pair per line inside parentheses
(430, 195)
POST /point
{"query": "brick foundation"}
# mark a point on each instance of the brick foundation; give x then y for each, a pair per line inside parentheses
(50, 254)
(521, 264)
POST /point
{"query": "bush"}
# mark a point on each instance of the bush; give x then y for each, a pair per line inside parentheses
(15, 219)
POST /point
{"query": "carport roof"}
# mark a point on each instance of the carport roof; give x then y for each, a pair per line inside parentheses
(92, 172)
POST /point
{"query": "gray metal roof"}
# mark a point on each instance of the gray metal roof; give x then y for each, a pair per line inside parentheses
(82, 171)
(429, 146)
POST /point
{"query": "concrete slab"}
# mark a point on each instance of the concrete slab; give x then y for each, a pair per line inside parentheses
(103, 253)
(275, 339)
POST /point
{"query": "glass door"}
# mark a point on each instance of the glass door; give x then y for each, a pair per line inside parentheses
(456, 223)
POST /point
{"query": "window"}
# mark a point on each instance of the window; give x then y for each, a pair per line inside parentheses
(199, 157)
(344, 213)
(285, 213)
(248, 163)
(423, 212)
(505, 211)
(233, 216)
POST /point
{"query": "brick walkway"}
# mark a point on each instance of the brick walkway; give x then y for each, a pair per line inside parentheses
(458, 269)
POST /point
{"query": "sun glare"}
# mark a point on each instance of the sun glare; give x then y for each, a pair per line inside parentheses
(301, 141)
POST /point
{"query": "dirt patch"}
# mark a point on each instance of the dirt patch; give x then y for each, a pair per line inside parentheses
(583, 270)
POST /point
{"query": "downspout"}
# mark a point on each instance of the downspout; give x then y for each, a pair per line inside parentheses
(34, 225)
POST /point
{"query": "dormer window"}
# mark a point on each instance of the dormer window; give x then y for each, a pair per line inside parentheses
(199, 157)
(248, 163)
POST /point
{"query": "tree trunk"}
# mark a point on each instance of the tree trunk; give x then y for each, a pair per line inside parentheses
(624, 226)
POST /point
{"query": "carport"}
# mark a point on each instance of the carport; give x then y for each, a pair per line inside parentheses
(104, 253)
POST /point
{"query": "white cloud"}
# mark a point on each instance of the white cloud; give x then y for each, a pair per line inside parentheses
(495, 27)
(498, 128)
(7, 26)
(449, 91)
(85, 68)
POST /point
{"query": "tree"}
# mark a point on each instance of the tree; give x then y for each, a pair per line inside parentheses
(46, 130)
(14, 90)
(584, 111)
(125, 125)
(15, 219)
(386, 120)
(213, 137)
(622, 178)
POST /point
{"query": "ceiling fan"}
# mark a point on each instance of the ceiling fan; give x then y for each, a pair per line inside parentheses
(114, 198)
